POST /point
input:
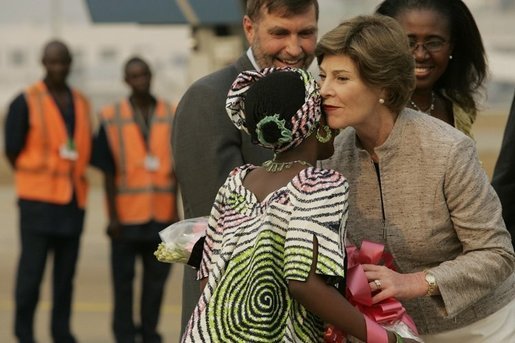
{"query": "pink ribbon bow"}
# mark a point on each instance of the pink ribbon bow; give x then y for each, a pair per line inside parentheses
(359, 294)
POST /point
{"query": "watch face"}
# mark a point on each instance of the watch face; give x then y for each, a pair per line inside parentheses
(430, 279)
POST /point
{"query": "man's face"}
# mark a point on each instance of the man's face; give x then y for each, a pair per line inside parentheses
(57, 62)
(281, 39)
(138, 78)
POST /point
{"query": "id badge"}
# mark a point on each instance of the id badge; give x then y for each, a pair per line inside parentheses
(151, 163)
(68, 152)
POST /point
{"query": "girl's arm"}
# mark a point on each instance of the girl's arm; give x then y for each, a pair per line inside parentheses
(203, 283)
(326, 302)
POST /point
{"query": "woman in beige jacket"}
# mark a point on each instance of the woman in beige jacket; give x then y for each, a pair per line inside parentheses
(416, 186)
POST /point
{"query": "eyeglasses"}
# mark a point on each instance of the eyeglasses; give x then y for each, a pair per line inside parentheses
(433, 45)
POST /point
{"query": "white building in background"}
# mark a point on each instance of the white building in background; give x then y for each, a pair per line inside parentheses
(100, 50)
(99, 53)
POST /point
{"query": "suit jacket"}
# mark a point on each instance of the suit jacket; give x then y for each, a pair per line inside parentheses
(503, 179)
(433, 208)
(206, 144)
(206, 147)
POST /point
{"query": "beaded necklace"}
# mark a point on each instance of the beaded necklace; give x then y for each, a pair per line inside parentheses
(428, 110)
(272, 166)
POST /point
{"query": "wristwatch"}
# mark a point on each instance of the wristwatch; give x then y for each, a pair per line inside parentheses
(431, 282)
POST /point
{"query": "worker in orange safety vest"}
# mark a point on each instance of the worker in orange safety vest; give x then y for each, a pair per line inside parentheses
(48, 144)
(132, 149)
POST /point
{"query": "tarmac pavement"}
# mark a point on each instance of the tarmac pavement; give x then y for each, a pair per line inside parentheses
(91, 318)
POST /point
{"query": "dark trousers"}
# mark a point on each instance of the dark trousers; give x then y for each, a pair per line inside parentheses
(123, 258)
(190, 295)
(35, 247)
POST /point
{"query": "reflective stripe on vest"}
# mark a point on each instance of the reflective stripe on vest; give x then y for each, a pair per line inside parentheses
(40, 173)
(141, 194)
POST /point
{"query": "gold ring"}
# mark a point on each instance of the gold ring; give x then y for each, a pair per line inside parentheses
(378, 284)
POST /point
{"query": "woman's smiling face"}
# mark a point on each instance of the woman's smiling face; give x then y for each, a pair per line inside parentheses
(424, 26)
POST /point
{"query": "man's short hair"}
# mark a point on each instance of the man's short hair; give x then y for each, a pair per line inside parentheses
(288, 7)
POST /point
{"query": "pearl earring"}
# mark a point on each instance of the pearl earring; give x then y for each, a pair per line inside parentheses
(381, 100)
(450, 57)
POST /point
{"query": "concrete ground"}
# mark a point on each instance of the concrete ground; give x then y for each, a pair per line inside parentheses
(92, 300)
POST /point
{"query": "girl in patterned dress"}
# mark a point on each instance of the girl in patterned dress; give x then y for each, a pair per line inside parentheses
(273, 259)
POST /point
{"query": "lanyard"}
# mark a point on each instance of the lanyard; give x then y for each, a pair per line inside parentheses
(144, 124)
(67, 113)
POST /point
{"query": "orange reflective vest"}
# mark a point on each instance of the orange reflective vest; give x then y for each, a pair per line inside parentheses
(145, 179)
(41, 173)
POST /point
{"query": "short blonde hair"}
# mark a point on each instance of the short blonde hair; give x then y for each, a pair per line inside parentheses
(379, 47)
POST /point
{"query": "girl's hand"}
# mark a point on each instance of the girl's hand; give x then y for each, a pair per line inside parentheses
(386, 283)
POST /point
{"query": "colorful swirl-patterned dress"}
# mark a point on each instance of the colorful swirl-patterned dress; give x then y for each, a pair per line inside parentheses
(253, 248)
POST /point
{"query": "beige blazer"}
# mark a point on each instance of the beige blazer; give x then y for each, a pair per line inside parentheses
(434, 209)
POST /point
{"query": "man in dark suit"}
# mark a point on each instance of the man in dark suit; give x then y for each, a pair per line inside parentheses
(504, 173)
(206, 145)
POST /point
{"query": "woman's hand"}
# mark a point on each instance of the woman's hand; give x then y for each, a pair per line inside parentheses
(386, 283)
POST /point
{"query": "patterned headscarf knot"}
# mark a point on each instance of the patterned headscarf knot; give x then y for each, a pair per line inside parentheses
(292, 133)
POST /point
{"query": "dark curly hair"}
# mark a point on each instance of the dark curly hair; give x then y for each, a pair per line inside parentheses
(280, 93)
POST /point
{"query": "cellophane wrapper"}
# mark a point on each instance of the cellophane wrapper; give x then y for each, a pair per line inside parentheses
(403, 330)
(179, 239)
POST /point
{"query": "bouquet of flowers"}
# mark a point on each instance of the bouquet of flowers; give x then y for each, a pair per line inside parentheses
(389, 313)
(182, 242)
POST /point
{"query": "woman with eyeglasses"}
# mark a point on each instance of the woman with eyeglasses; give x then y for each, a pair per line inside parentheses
(450, 60)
